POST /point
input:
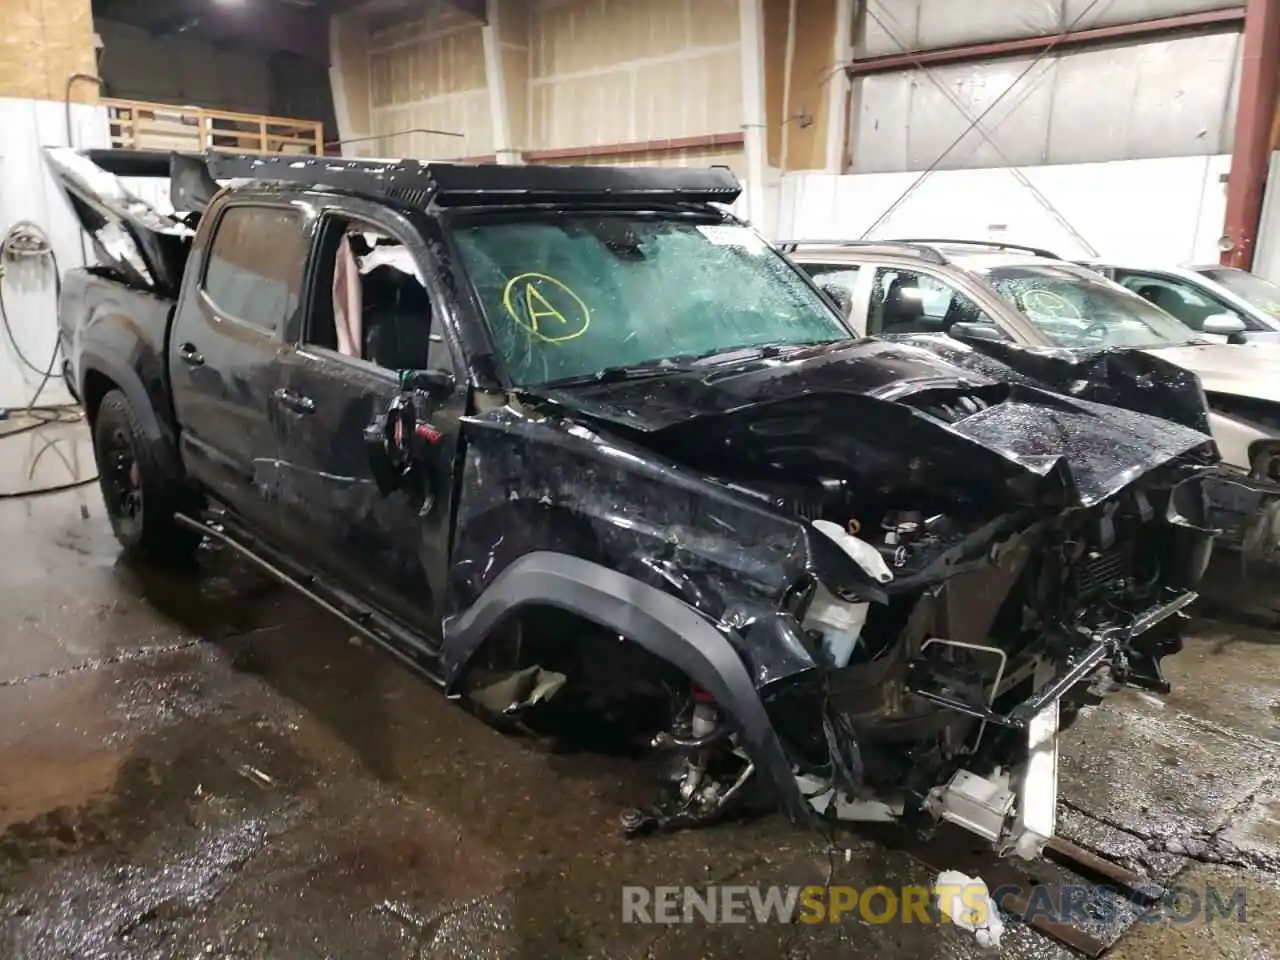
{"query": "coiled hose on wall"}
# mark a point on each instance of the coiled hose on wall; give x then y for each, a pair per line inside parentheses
(26, 241)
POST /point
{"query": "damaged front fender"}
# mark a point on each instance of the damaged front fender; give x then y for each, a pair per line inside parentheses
(658, 622)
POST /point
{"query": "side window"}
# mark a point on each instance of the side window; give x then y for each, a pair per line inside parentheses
(837, 274)
(905, 301)
(1174, 297)
(255, 265)
(370, 302)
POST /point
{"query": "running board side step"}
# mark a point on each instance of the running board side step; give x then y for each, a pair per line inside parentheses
(367, 623)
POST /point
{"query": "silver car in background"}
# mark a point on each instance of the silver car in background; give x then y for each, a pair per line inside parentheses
(1221, 303)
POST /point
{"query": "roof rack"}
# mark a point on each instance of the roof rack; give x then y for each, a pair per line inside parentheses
(992, 244)
(450, 184)
(916, 248)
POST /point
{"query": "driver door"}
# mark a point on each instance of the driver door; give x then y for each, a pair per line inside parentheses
(389, 547)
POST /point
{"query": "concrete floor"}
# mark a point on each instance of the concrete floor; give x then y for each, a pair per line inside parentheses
(208, 766)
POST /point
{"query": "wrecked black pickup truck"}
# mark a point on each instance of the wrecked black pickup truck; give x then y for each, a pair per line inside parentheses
(575, 442)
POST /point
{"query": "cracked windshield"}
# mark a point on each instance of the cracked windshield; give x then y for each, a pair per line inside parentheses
(586, 297)
(1075, 308)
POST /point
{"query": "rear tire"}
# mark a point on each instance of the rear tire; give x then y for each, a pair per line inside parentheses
(140, 499)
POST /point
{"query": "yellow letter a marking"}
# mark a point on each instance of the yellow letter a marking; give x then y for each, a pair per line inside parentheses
(536, 312)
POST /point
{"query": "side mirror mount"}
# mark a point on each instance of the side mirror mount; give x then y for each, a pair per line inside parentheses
(1222, 325)
(841, 297)
(977, 331)
(385, 446)
(436, 384)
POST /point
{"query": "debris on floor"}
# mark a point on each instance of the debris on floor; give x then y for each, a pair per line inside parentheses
(967, 903)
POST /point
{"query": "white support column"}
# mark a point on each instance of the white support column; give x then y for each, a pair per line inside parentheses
(496, 81)
(338, 87)
(755, 143)
(788, 67)
(838, 88)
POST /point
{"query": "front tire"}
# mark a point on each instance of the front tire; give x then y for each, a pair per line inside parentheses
(140, 500)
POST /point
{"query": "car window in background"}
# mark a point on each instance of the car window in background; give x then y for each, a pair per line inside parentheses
(1177, 297)
(570, 295)
(1077, 308)
(905, 301)
(1259, 291)
(837, 274)
(255, 265)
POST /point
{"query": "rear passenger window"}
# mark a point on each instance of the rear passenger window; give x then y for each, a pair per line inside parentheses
(836, 274)
(255, 265)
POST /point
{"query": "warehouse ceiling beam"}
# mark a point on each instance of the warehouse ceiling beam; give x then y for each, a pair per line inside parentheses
(1251, 151)
(1228, 19)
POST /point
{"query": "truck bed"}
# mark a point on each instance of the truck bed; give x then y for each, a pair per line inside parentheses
(107, 327)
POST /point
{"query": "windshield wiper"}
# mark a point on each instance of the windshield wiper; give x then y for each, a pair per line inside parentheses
(761, 351)
(639, 371)
(684, 363)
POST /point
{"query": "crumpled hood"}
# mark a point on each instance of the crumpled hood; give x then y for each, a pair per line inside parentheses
(1245, 370)
(887, 413)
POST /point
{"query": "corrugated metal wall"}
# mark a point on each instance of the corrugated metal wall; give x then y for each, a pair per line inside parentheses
(1165, 98)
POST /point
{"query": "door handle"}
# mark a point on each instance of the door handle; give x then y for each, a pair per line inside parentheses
(190, 355)
(294, 401)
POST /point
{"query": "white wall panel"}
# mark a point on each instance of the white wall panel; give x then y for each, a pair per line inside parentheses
(28, 192)
(1160, 99)
(1167, 209)
(928, 24)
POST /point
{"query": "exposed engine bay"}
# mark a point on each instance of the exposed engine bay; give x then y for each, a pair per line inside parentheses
(957, 573)
(945, 699)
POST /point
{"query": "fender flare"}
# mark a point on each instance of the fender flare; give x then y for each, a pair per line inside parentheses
(662, 624)
(130, 384)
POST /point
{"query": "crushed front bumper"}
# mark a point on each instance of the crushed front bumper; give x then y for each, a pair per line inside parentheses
(1016, 809)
